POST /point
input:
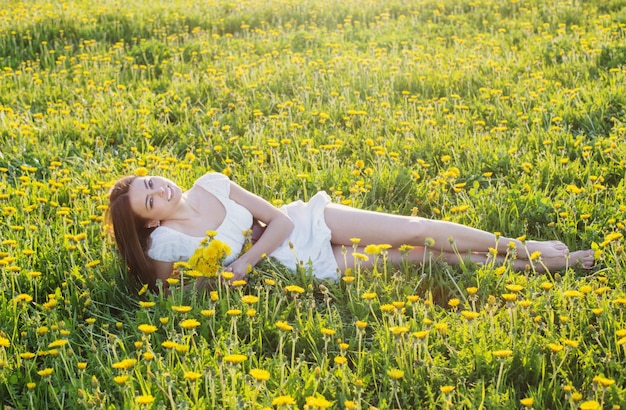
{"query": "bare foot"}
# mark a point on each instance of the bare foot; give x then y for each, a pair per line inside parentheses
(548, 249)
(585, 259)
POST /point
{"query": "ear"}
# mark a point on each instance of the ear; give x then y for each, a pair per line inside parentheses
(153, 224)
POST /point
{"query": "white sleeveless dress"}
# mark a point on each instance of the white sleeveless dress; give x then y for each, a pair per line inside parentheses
(310, 236)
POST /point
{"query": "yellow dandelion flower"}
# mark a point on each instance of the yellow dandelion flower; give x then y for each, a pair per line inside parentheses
(446, 389)
(421, 334)
(360, 324)
(399, 330)
(23, 297)
(570, 343)
(373, 249)
(27, 355)
(234, 312)
(121, 380)
(405, 248)
(144, 399)
(470, 315)
(168, 344)
(515, 288)
(502, 353)
(454, 302)
(57, 343)
(284, 326)
(399, 304)
(340, 360)
(147, 329)
(294, 289)
(45, 372)
(527, 402)
(348, 279)
(387, 307)
(441, 327)
(368, 295)
(546, 285)
(318, 402)
(285, 400)
(555, 347)
(509, 297)
(124, 364)
(250, 299)
(328, 332)
(189, 324)
(395, 374)
(235, 358)
(360, 256)
(573, 294)
(181, 309)
(603, 381)
(4, 342)
(350, 405)
(207, 312)
(192, 376)
(589, 405)
(259, 374)
(471, 290)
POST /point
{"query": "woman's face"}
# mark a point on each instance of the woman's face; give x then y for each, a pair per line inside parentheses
(154, 198)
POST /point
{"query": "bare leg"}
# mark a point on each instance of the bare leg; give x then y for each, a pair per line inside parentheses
(396, 230)
(585, 259)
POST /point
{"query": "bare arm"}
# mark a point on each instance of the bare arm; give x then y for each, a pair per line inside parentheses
(162, 271)
(278, 227)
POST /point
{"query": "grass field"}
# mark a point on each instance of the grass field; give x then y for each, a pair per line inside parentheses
(508, 115)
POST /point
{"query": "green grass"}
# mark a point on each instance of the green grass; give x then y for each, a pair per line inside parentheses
(504, 115)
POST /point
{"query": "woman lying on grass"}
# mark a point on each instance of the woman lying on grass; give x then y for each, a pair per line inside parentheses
(156, 224)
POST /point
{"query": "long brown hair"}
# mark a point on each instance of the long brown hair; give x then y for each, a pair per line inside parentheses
(130, 233)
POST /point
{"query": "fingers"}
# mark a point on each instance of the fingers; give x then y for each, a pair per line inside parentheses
(236, 275)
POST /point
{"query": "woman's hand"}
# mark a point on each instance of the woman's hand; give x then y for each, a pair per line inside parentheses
(239, 268)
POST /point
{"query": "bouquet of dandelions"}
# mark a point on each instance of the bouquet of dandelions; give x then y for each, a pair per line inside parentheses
(207, 260)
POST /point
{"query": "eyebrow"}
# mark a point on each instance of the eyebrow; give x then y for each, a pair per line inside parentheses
(146, 185)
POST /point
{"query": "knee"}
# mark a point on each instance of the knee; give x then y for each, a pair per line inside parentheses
(418, 230)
